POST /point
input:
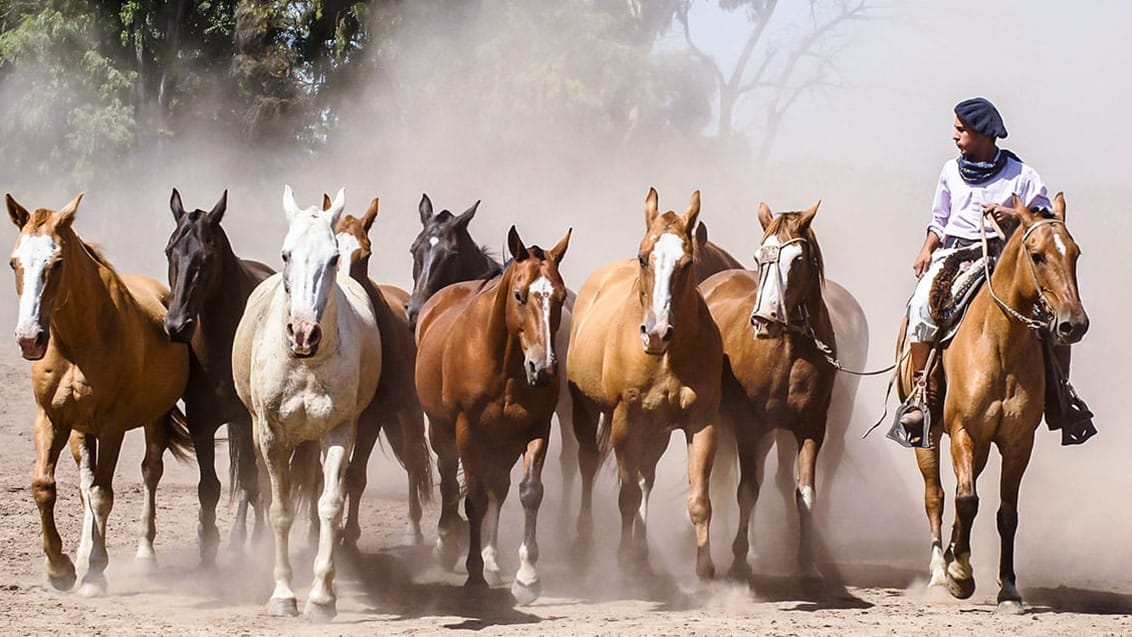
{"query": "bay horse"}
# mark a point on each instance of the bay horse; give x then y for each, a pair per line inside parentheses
(395, 408)
(102, 365)
(646, 355)
(211, 286)
(774, 375)
(995, 390)
(708, 258)
(306, 362)
(444, 253)
(487, 375)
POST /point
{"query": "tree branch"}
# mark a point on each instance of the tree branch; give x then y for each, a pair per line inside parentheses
(682, 15)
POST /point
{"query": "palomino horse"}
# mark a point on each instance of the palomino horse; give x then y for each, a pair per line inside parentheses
(211, 286)
(395, 408)
(487, 377)
(103, 365)
(445, 253)
(995, 389)
(645, 353)
(306, 361)
(774, 375)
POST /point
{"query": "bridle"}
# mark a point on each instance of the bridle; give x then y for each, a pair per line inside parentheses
(1045, 310)
(766, 257)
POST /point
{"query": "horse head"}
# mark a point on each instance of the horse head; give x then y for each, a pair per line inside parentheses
(534, 299)
(194, 253)
(790, 269)
(1052, 254)
(37, 260)
(352, 235)
(438, 251)
(310, 265)
(665, 258)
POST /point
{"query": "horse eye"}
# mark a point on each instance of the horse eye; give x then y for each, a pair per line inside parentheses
(643, 259)
(285, 256)
(1037, 257)
(334, 260)
(56, 263)
(12, 264)
(518, 296)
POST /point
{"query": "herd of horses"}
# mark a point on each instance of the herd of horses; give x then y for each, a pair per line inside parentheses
(308, 365)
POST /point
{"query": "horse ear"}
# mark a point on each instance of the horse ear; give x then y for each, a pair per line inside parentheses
(808, 216)
(650, 207)
(425, 208)
(765, 215)
(176, 206)
(18, 213)
(217, 212)
(336, 207)
(370, 215)
(700, 235)
(326, 202)
(1024, 214)
(1059, 207)
(515, 245)
(67, 214)
(693, 211)
(289, 205)
(466, 217)
(559, 251)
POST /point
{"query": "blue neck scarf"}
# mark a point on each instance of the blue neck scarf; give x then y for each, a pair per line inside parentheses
(978, 172)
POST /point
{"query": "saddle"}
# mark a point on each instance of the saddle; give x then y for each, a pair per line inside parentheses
(954, 286)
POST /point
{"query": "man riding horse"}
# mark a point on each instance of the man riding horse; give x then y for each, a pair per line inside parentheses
(973, 189)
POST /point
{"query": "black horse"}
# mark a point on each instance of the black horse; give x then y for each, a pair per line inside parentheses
(210, 287)
(444, 253)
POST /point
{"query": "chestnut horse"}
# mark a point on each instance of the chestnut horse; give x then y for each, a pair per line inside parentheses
(102, 365)
(306, 361)
(646, 355)
(487, 375)
(995, 389)
(211, 286)
(395, 408)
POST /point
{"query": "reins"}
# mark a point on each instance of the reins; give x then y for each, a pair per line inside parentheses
(1045, 309)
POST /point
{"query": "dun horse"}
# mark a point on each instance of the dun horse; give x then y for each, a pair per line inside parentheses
(395, 408)
(774, 375)
(306, 361)
(102, 365)
(645, 353)
(487, 374)
(995, 389)
(211, 286)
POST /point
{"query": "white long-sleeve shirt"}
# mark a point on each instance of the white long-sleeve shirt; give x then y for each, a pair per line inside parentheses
(958, 205)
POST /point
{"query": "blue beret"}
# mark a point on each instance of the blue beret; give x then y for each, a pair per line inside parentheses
(979, 115)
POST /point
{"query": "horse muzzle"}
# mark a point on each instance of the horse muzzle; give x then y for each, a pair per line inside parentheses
(766, 325)
(180, 328)
(1071, 327)
(538, 374)
(33, 345)
(657, 337)
(305, 335)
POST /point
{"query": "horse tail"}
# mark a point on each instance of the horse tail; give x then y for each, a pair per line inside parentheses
(306, 474)
(239, 445)
(179, 441)
(406, 434)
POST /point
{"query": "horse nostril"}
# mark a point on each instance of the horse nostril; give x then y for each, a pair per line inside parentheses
(315, 335)
(668, 333)
(644, 330)
(290, 329)
(1065, 328)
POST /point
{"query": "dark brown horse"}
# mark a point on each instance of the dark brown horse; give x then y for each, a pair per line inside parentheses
(774, 375)
(210, 286)
(395, 408)
(995, 390)
(708, 257)
(646, 355)
(102, 365)
(487, 375)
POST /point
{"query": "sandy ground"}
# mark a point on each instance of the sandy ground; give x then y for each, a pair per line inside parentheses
(396, 588)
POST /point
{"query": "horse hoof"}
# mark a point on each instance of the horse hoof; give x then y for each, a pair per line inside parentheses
(1009, 607)
(526, 594)
(961, 588)
(705, 570)
(813, 583)
(492, 577)
(146, 565)
(447, 554)
(740, 571)
(64, 582)
(320, 613)
(475, 583)
(286, 607)
(93, 586)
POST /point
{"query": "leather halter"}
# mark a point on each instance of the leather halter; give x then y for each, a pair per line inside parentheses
(767, 256)
(1045, 309)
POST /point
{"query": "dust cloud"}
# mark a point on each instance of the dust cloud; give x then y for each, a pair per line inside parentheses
(870, 150)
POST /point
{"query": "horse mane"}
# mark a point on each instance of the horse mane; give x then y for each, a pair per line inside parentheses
(784, 226)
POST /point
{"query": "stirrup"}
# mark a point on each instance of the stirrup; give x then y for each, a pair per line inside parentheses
(899, 434)
(1077, 419)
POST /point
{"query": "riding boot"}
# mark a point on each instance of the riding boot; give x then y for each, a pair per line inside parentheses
(1064, 409)
(912, 417)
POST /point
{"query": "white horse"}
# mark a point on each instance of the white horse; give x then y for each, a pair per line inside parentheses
(306, 361)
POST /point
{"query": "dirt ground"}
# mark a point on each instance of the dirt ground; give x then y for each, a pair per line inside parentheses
(396, 588)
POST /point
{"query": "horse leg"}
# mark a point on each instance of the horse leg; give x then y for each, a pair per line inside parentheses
(49, 441)
(208, 488)
(569, 450)
(701, 455)
(447, 463)
(650, 456)
(928, 461)
(968, 460)
(101, 498)
(632, 556)
(475, 507)
(336, 448)
(405, 432)
(369, 427)
(747, 494)
(1015, 458)
(245, 474)
(526, 588)
(84, 449)
(498, 484)
(809, 445)
(586, 415)
(153, 467)
(276, 460)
